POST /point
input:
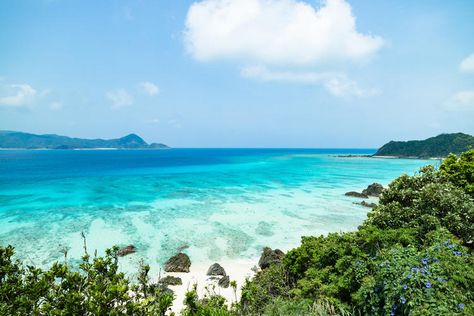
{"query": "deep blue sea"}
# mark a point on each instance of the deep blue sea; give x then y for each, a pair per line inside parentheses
(218, 203)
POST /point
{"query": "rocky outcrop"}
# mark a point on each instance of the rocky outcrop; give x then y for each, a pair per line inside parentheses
(270, 257)
(170, 280)
(178, 263)
(356, 194)
(126, 250)
(224, 282)
(216, 269)
(374, 189)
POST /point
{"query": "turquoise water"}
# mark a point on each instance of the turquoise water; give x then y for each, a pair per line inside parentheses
(221, 203)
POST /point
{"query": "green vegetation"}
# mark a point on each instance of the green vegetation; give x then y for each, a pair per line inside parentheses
(439, 146)
(96, 289)
(412, 256)
(31, 141)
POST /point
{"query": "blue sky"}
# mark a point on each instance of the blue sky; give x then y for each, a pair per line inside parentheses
(243, 73)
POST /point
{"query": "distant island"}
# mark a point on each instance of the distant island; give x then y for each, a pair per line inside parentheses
(20, 140)
(433, 147)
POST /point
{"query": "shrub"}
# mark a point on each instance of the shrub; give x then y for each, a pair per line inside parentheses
(211, 305)
(460, 170)
(437, 280)
(267, 285)
(425, 202)
(97, 288)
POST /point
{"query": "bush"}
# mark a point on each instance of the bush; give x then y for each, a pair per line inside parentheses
(425, 202)
(305, 307)
(96, 289)
(267, 284)
(460, 171)
(211, 305)
(405, 281)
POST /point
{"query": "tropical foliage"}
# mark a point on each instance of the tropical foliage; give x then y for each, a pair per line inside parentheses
(97, 288)
(412, 256)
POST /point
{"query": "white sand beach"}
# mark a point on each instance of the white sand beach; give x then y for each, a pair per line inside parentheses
(238, 270)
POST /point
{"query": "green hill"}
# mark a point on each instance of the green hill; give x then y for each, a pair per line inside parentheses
(438, 146)
(20, 140)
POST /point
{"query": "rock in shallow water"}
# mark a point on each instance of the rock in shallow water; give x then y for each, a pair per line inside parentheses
(374, 189)
(356, 194)
(366, 204)
(216, 269)
(126, 250)
(178, 263)
(270, 257)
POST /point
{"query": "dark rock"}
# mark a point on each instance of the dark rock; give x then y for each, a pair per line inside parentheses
(126, 250)
(171, 280)
(216, 269)
(270, 257)
(364, 203)
(224, 282)
(356, 194)
(178, 263)
(374, 189)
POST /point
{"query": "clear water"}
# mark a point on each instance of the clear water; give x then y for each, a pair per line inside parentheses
(222, 203)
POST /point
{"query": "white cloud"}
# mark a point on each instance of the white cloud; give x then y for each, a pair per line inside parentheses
(467, 65)
(56, 105)
(149, 88)
(16, 95)
(119, 98)
(153, 121)
(335, 83)
(461, 101)
(174, 123)
(276, 32)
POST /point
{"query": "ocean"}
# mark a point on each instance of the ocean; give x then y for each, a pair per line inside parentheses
(217, 204)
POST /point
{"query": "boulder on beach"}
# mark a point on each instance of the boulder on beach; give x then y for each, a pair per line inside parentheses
(170, 280)
(216, 269)
(270, 257)
(178, 263)
(356, 194)
(126, 250)
(224, 282)
(374, 189)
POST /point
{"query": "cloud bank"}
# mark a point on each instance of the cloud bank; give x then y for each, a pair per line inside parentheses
(16, 95)
(461, 101)
(149, 88)
(276, 32)
(467, 65)
(337, 84)
(119, 98)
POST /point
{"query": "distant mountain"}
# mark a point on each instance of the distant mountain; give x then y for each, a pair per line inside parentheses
(439, 146)
(9, 139)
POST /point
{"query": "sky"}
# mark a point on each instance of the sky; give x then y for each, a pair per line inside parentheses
(238, 73)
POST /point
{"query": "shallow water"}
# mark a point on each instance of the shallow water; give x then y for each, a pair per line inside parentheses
(221, 203)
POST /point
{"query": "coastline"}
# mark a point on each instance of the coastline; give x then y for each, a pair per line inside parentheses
(389, 157)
